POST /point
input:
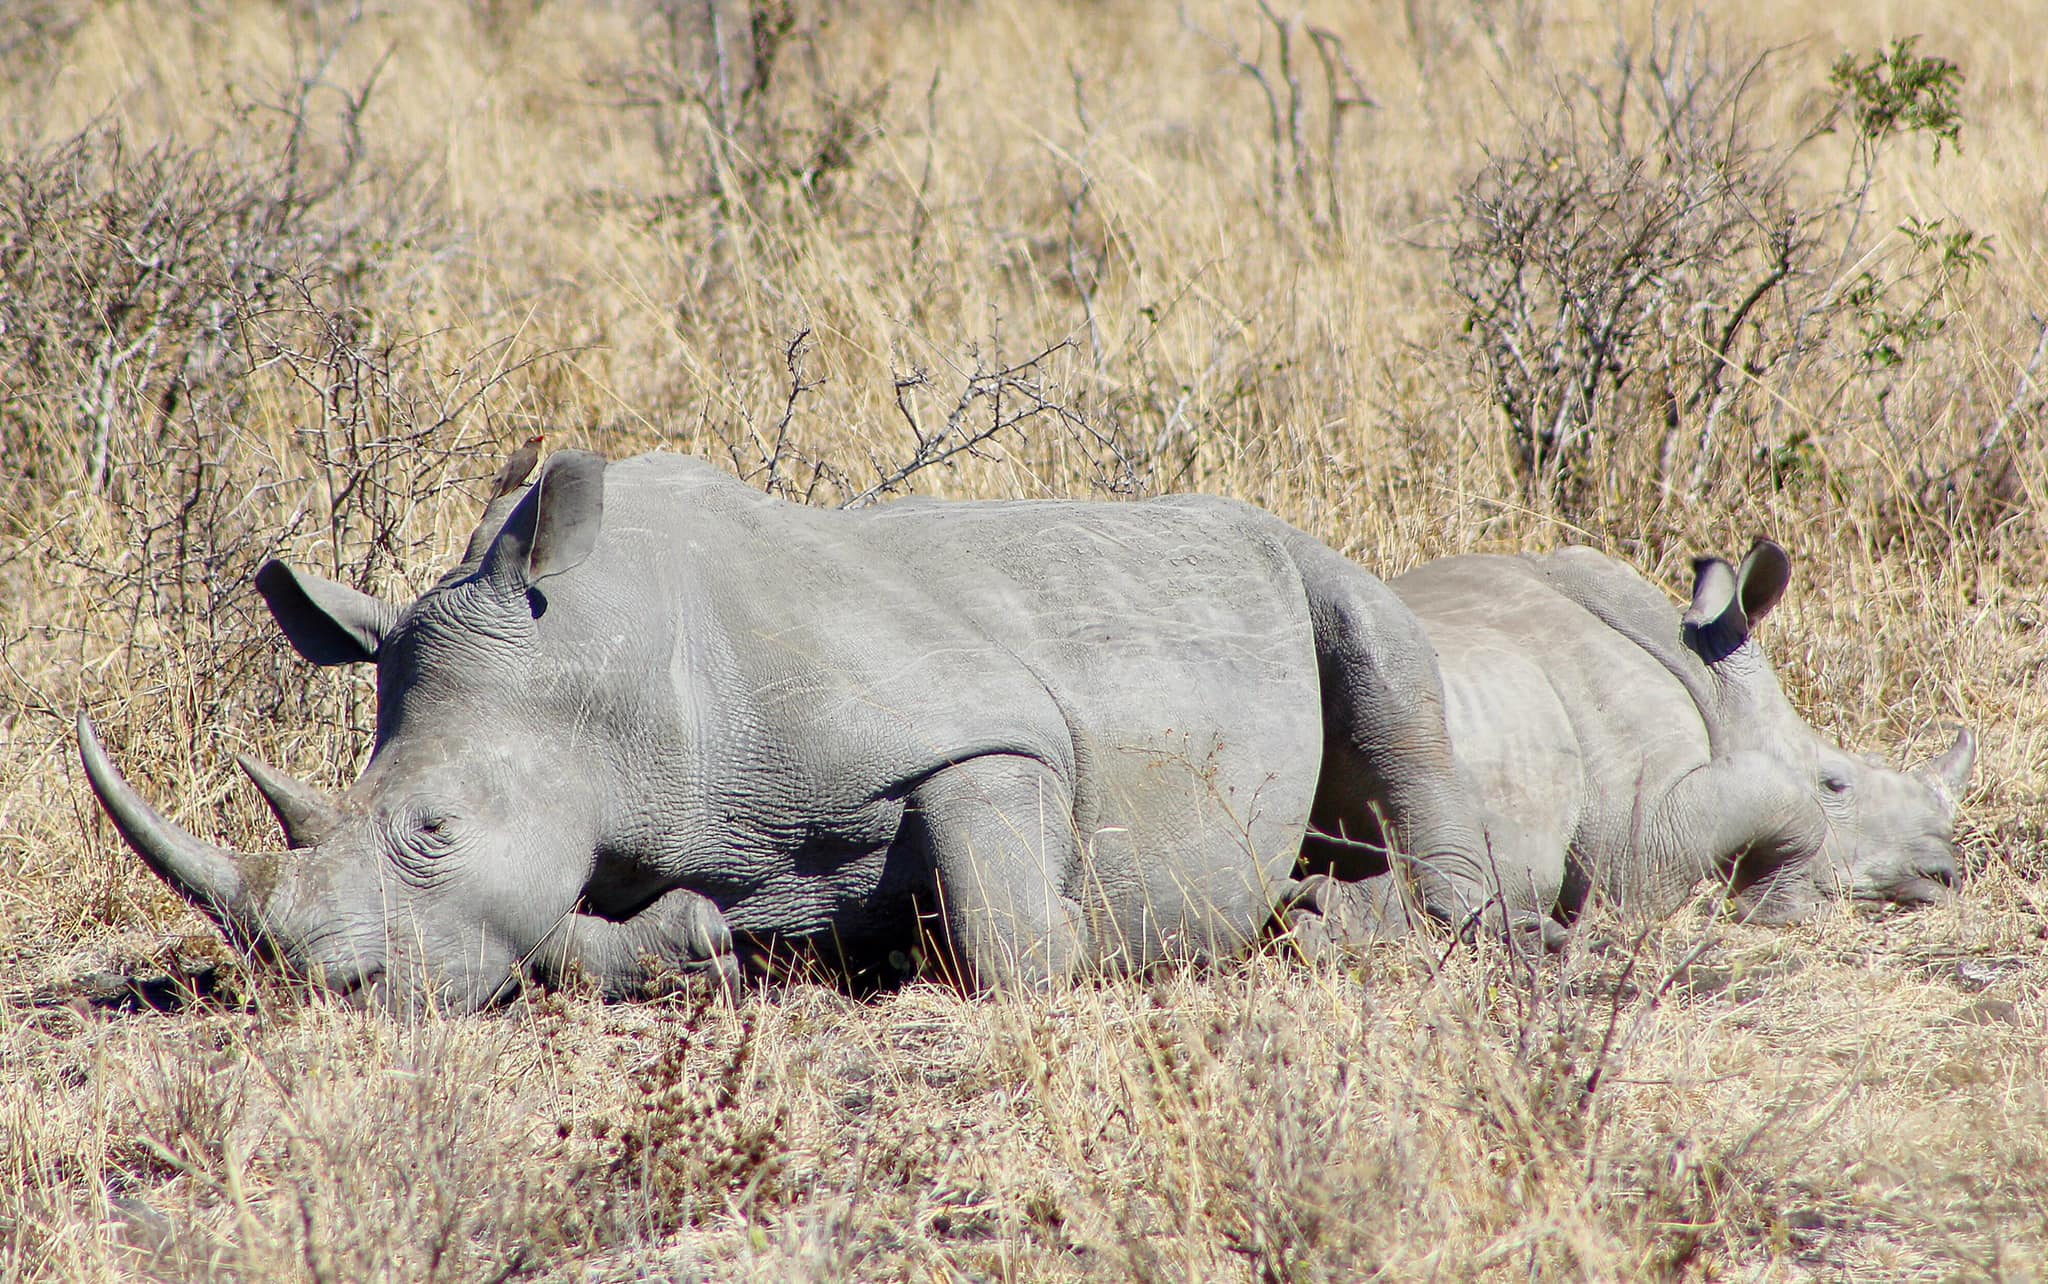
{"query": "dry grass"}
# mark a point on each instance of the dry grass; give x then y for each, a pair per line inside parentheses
(367, 253)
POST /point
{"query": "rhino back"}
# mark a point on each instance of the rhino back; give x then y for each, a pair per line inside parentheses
(1622, 600)
(1564, 722)
(1174, 637)
(814, 665)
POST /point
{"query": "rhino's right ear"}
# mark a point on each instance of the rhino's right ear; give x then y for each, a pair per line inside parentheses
(1763, 578)
(555, 526)
(328, 623)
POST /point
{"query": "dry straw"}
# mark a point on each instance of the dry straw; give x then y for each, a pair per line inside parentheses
(289, 278)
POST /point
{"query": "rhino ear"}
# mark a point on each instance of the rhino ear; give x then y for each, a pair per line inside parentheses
(554, 528)
(1713, 592)
(328, 623)
(1763, 578)
(1728, 602)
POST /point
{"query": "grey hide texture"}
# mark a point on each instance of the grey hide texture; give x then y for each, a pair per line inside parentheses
(1628, 750)
(655, 707)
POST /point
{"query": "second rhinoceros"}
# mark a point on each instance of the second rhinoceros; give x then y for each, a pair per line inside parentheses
(654, 707)
(1629, 750)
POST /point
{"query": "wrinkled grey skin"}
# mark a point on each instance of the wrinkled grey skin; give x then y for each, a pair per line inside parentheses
(1639, 751)
(654, 707)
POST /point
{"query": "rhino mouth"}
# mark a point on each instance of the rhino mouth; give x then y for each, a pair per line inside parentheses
(1916, 893)
(360, 988)
(1929, 881)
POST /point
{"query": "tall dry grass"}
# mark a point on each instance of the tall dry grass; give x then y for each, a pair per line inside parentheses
(288, 277)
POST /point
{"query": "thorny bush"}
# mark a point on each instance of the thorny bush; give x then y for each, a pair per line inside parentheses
(1647, 266)
(697, 1136)
(162, 307)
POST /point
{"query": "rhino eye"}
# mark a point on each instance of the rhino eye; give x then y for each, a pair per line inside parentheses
(433, 832)
(1834, 784)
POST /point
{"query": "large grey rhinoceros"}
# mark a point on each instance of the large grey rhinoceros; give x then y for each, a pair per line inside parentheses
(654, 707)
(1630, 750)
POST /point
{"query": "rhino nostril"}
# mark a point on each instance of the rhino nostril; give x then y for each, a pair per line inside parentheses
(1944, 873)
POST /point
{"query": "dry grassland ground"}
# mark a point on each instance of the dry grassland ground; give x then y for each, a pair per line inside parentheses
(285, 277)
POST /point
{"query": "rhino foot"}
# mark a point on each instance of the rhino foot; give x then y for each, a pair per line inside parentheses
(681, 936)
(1323, 916)
(1530, 933)
(1538, 934)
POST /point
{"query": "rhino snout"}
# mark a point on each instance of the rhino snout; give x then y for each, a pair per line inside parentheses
(1926, 880)
(1933, 881)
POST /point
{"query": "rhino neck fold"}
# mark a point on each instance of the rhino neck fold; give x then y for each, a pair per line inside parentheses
(1729, 693)
(1748, 819)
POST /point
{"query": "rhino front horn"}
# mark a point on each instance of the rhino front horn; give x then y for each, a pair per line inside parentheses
(1952, 769)
(303, 812)
(208, 876)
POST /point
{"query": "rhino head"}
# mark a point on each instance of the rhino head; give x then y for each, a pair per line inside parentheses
(1888, 833)
(469, 838)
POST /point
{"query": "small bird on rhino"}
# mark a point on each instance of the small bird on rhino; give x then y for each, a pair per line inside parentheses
(517, 468)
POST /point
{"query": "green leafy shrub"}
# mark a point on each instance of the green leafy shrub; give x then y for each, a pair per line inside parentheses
(1643, 266)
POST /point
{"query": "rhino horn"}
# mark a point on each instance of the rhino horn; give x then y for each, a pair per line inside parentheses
(305, 814)
(208, 876)
(1951, 770)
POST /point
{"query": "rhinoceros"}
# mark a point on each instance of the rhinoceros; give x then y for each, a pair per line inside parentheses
(654, 707)
(1622, 748)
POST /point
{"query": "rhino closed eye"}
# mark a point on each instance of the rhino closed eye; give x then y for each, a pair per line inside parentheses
(425, 834)
(1834, 784)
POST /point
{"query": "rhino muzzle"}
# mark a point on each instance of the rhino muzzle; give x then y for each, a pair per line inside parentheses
(275, 905)
(1930, 881)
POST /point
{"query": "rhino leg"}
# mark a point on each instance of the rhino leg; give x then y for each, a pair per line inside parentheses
(1000, 832)
(1386, 746)
(1742, 817)
(678, 933)
(1324, 916)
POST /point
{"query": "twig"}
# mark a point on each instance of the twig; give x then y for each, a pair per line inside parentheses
(1992, 439)
(955, 437)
